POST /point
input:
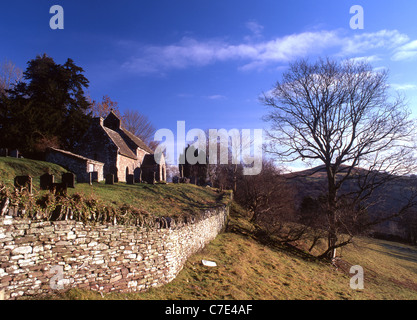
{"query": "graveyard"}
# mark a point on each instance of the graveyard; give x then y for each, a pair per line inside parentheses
(158, 199)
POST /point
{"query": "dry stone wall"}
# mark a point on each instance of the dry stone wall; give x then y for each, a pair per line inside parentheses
(40, 257)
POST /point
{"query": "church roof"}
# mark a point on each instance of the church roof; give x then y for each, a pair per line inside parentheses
(73, 155)
(136, 140)
(120, 143)
(122, 138)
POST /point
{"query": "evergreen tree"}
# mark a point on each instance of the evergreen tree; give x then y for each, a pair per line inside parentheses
(48, 107)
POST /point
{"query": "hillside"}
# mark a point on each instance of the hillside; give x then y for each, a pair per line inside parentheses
(385, 200)
(250, 267)
(158, 199)
(313, 182)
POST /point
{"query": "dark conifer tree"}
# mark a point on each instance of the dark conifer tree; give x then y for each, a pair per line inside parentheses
(48, 107)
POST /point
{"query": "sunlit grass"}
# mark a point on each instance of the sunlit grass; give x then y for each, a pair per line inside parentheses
(159, 199)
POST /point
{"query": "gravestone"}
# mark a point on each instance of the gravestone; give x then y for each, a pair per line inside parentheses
(114, 172)
(184, 180)
(176, 179)
(138, 175)
(69, 179)
(130, 179)
(110, 179)
(4, 152)
(60, 189)
(23, 182)
(150, 178)
(94, 176)
(46, 181)
(14, 153)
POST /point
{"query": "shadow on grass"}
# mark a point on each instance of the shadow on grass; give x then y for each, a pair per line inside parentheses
(399, 252)
(262, 237)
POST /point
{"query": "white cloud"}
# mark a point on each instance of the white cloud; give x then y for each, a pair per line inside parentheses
(404, 86)
(216, 97)
(404, 55)
(409, 46)
(406, 52)
(254, 27)
(388, 39)
(369, 59)
(291, 47)
(256, 55)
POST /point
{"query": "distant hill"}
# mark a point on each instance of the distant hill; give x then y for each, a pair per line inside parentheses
(392, 196)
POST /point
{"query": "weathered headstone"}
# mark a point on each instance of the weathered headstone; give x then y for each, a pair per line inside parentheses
(176, 179)
(138, 175)
(23, 182)
(184, 180)
(14, 153)
(110, 179)
(4, 152)
(130, 179)
(69, 179)
(114, 171)
(94, 176)
(150, 178)
(46, 181)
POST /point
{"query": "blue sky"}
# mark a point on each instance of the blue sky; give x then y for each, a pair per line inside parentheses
(207, 62)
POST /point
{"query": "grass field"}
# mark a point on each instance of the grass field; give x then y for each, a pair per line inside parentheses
(250, 269)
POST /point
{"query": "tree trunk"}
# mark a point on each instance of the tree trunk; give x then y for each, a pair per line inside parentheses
(332, 240)
(331, 213)
(235, 179)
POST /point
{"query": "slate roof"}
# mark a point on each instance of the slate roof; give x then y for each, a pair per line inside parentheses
(73, 155)
(120, 143)
(137, 141)
(125, 140)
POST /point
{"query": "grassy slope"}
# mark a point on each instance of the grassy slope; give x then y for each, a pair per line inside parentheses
(158, 199)
(11, 167)
(250, 269)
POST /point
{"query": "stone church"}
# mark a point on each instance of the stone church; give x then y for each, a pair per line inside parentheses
(118, 151)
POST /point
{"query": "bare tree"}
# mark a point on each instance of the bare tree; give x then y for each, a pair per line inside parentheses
(228, 147)
(340, 114)
(103, 108)
(140, 125)
(9, 76)
(133, 121)
(266, 194)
